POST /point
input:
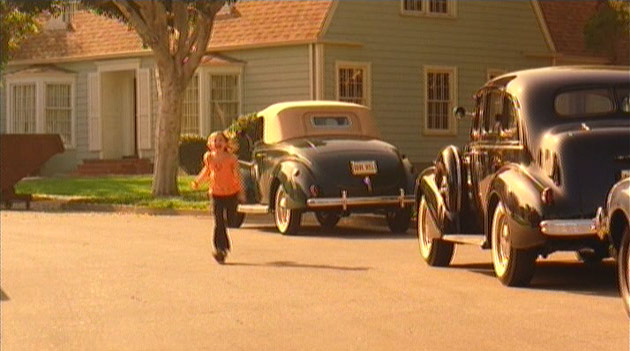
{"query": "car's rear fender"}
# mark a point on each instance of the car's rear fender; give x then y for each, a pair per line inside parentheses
(521, 197)
(296, 180)
(426, 186)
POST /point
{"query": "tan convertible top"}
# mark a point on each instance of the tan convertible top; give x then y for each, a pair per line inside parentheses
(288, 120)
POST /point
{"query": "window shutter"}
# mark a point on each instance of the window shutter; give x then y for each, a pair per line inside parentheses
(143, 103)
(94, 112)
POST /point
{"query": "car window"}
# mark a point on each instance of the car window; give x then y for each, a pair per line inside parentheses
(508, 120)
(585, 102)
(623, 96)
(331, 122)
(476, 123)
(492, 115)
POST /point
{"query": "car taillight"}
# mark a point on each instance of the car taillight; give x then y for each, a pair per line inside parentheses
(314, 189)
(547, 196)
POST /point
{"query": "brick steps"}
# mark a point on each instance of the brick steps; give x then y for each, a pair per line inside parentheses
(112, 167)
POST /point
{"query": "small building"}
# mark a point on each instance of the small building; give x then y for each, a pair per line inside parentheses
(90, 79)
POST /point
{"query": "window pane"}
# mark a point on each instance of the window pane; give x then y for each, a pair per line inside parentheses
(351, 85)
(623, 96)
(58, 111)
(190, 108)
(23, 113)
(412, 5)
(438, 6)
(331, 121)
(584, 102)
(224, 95)
(438, 101)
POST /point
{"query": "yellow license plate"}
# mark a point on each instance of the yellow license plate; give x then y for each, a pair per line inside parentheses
(363, 167)
(625, 173)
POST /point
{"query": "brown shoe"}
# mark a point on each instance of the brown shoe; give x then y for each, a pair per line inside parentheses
(220, 255)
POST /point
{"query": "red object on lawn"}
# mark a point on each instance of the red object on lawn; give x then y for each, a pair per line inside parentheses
(22, 155)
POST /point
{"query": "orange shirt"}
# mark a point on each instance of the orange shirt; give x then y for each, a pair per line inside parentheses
(223, 174)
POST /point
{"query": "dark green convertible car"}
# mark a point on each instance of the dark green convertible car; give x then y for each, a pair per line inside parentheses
(325, 157)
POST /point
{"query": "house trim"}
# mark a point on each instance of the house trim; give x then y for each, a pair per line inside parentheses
(329, 16)
(118, 65)
(145, 53)
(452, 130)
(542, 23)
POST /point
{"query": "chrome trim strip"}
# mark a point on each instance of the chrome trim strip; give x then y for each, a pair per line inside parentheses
(252, 208)
(569, 227)
(344, 202)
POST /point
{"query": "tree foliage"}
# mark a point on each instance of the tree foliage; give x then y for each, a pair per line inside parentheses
(18, 20)
(609, 25)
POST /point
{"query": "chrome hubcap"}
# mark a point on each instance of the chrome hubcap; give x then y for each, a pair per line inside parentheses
(425, 241)
(501, 246)
(282, 212)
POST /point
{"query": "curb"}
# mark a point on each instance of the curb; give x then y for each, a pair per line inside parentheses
(71, 204)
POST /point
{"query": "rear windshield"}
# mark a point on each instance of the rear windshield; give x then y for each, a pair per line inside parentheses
(592, 102)
(331, 122)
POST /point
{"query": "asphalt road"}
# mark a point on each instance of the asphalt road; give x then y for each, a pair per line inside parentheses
(89, 281)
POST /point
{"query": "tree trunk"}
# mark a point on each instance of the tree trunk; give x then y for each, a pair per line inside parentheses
(168, 130)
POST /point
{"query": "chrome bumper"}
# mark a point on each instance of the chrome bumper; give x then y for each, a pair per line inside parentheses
(569, 227)
(344, 201)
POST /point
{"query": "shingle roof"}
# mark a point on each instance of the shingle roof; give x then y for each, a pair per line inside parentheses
(252, 23)
(566, 21)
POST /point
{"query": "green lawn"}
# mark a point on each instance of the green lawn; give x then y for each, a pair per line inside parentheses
(121, 190)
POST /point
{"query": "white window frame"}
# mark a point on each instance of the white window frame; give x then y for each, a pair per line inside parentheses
(196, 76)
(205, 108)
(367, 81)
(490, 72)
(40, 80)
(454, 87)
(451, 10)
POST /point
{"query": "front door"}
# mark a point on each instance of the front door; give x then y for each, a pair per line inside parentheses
(118, 114)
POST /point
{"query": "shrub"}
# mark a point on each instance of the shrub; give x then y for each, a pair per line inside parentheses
(191, 150)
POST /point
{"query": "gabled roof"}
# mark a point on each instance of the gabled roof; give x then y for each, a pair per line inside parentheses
(250, 24)
(566, 21)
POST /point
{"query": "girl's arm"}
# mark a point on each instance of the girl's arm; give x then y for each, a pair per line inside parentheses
(204, 174)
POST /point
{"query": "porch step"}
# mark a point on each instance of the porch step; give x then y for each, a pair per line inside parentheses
(92, 167)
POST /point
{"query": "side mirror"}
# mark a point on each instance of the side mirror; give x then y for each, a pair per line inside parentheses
(459, 112)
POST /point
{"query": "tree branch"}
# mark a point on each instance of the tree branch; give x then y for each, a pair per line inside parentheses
(206, 13)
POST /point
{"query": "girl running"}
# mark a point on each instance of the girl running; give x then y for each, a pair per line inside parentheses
(221, 172)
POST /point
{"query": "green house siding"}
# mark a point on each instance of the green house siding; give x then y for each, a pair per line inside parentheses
(483, 35)
(272, 75)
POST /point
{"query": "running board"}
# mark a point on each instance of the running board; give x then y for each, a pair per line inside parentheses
(468, 239)
(253, 208)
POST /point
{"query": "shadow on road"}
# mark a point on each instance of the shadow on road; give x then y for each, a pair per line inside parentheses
(574, 277)
(289, 264)
(341, 232)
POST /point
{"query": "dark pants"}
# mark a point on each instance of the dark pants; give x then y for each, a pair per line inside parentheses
(224, 208)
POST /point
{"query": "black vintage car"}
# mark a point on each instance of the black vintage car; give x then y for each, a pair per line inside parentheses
(613, 222)
(325, 157)
(545, 146)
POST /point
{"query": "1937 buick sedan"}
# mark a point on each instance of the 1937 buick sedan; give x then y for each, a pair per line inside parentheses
(325, 157)
(545, 146)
